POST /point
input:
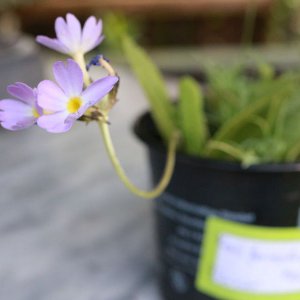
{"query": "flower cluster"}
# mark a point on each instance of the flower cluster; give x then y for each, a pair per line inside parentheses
(55, 106)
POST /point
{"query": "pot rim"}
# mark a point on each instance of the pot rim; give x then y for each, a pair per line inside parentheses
(145, 130)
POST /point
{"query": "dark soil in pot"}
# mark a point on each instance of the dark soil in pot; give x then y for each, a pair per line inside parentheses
(264, 195)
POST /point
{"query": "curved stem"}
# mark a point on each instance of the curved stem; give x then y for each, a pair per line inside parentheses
(167, 174)
(223, 147)
(246, 158)
(107, 66)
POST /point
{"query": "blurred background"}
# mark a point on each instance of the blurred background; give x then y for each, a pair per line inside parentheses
(182, 35)
(68, 228)
(201, 27)
(177, 22)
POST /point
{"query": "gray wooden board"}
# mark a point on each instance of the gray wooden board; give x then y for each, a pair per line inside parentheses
(68, 227)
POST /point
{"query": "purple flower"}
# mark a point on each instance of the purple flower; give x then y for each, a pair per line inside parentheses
(71, 38)
(21, 113)
(66, 100)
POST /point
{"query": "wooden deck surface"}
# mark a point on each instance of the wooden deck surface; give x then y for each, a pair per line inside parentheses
(68, 227)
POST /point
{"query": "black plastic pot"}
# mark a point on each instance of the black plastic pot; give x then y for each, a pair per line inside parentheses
(265, 195)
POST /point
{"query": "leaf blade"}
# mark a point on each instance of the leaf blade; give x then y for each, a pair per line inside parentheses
(191, 116)
(151, 80)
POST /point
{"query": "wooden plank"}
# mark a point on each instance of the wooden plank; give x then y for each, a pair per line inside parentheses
(178, 7)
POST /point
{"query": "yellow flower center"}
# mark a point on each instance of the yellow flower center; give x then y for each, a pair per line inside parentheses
(74, 104)
(35, 113)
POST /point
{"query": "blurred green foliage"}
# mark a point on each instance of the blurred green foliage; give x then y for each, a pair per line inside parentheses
(249, 119)
(116, 27)
(239, 117)
(284, 23)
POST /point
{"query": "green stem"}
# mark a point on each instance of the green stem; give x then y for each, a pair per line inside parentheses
(79, 58)
(249, 24)
(167, 174)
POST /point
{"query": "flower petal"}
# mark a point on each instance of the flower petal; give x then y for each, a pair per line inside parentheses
(69, 77)
(11, 106)
(74, 29)
(51, 97)
(63, 35)
(23, 92)
(98, 89)
(91, 34)
(19, 125)
(16, 115)
(54, 44)
(55, 123)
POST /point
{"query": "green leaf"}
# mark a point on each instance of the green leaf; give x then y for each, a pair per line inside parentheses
(268, 149)
(191, 116)
(151, 80)
(228, 92)
(117, 25)
(278, 89)
(293, 152)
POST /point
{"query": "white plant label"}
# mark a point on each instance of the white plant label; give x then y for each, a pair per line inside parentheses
(257, 266)
(249, 262)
